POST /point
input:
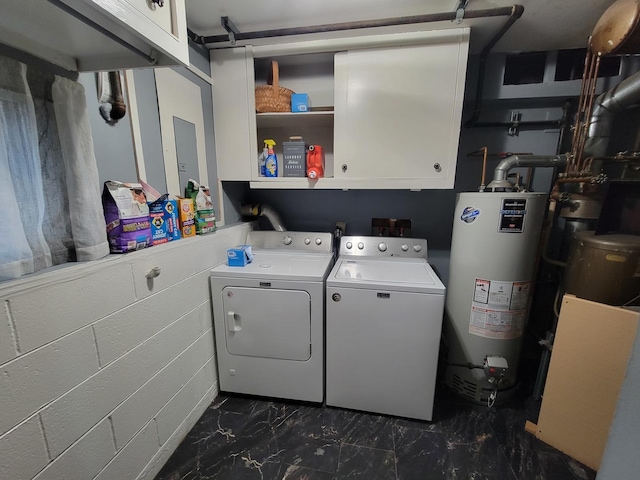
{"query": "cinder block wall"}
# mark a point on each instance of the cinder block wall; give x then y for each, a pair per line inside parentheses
(102, 371)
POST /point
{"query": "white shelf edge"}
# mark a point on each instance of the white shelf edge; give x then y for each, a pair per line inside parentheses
(296, 114)
(352, 184)
(288, 119)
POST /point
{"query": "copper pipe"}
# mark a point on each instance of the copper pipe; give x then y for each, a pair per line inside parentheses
(576, 131)
(588, 164)
(616, 159)
(583, 112)
(518, 176)
(478, 153)
(592, 94)
(484, 168)
(583, 118)
(527, 185)
(590, 179)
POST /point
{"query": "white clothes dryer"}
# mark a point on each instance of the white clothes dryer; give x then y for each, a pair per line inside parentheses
(269, 316)
(384, 318)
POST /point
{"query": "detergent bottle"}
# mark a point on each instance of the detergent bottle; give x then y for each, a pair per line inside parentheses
(271, 163)
(315, 162)
(262, 160)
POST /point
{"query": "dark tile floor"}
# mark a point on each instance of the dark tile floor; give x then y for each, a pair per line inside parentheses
(245, 438)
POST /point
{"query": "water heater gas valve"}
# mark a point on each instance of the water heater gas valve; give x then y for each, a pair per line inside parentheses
(495, 368)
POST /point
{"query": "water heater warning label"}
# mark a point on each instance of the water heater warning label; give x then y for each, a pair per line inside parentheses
(499, 308)
(512, 215)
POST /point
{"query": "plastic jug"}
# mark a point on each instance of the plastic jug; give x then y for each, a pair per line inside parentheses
(315, 162)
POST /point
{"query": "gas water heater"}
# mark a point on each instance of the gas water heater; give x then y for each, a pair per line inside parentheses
(493, 267)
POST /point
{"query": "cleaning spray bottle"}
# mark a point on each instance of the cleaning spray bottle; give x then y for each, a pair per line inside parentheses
(271, 164)
(262, 160)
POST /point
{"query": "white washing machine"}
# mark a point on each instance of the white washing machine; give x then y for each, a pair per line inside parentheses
(269, 316)
(384, 318)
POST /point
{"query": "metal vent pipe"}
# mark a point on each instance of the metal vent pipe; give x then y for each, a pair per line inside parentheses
(501, 172)
(262, 210)
(616, 100)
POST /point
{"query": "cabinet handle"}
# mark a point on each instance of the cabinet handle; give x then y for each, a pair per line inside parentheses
(153, 273)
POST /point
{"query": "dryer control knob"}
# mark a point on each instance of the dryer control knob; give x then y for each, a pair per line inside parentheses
(349, 245)
(382, 247)
(361, 246)
(417, 248)
(318, 241)
(404, 247)
(307, 241)
(287, 240)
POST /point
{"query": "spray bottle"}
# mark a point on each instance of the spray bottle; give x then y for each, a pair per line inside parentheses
(271, 163)
(262, 159)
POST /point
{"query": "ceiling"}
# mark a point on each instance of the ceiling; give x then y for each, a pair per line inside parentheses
(545, 24)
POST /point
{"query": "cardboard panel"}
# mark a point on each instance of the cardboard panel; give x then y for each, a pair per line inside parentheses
(590, 355)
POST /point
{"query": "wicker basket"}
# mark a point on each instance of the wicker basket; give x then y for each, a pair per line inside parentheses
(273, 97)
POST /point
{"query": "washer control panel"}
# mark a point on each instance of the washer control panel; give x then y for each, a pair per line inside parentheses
(318, 242)
(384, 247)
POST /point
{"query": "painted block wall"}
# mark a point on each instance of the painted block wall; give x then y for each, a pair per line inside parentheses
(103, 372)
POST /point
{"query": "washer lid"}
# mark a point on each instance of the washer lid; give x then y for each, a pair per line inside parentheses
(394, 274)
(281, 266)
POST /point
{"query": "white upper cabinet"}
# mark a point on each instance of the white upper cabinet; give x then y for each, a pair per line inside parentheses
(92, 35)
(398, 113)
(386, 109)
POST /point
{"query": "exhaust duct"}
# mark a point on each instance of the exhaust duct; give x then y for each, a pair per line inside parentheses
(263, 210)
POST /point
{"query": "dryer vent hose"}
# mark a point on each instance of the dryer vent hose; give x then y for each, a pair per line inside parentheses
(262, 210)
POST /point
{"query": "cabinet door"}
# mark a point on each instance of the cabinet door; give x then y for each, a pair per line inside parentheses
(234, 112)
(398, 112)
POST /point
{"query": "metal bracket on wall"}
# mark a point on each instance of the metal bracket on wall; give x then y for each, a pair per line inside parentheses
(514, 118)
(460, 11)
(231, 29)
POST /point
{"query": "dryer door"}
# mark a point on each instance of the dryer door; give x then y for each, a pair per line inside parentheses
(269, 323)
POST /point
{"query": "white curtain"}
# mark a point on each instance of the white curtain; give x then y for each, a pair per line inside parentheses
(50, 205)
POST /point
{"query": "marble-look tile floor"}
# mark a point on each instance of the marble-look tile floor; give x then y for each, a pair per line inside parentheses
(241, 438)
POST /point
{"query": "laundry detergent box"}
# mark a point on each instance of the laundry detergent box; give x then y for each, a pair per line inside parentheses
(239, 256)
(205, 216)
(126, 214)
(187, 217)
(164, 220)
